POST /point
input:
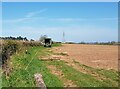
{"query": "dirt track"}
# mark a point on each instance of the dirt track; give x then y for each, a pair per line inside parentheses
(97, 56)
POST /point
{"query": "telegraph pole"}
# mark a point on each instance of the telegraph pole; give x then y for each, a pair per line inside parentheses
(63, 40)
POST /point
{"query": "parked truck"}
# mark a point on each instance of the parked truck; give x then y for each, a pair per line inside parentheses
(47, 42)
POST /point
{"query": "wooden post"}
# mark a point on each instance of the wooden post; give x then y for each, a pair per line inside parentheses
(39, 81)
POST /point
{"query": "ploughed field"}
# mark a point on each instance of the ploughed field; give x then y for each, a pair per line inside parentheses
(97, 56)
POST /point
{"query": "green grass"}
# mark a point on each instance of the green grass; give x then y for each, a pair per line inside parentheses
(20, 77)
(56, 45)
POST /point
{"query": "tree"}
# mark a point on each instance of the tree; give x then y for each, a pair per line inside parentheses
(31, 40)
(25, 39)
(19, 38)
(42, 38)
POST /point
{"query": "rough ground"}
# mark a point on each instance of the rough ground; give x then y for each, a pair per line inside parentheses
(57, 72)
(97, 56)
(63, 66)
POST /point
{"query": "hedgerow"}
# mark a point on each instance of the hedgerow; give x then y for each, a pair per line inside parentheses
(9, 47)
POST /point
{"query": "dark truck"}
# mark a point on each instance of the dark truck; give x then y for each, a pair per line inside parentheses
(47, 42)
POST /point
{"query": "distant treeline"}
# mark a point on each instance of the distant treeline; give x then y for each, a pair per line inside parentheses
(99, 43)
(82, 42)
(14, 38)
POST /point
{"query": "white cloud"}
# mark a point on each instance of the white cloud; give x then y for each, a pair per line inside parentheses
(33, 15)
(83, 19)
(67, 19)
(15, 20)
(29, 16)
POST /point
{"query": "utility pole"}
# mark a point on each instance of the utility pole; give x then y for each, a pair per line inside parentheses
(63, 40)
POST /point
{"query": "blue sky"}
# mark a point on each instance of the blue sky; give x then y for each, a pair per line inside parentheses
(83, 21)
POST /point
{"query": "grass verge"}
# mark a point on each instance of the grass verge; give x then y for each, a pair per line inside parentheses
(20, 77)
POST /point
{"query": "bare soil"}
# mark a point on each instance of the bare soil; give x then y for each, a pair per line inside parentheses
(96, 56)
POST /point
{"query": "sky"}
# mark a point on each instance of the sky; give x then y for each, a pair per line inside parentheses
(80, 21)
(60, 0)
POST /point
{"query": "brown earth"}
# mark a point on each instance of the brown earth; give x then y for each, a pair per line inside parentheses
(97, 56)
